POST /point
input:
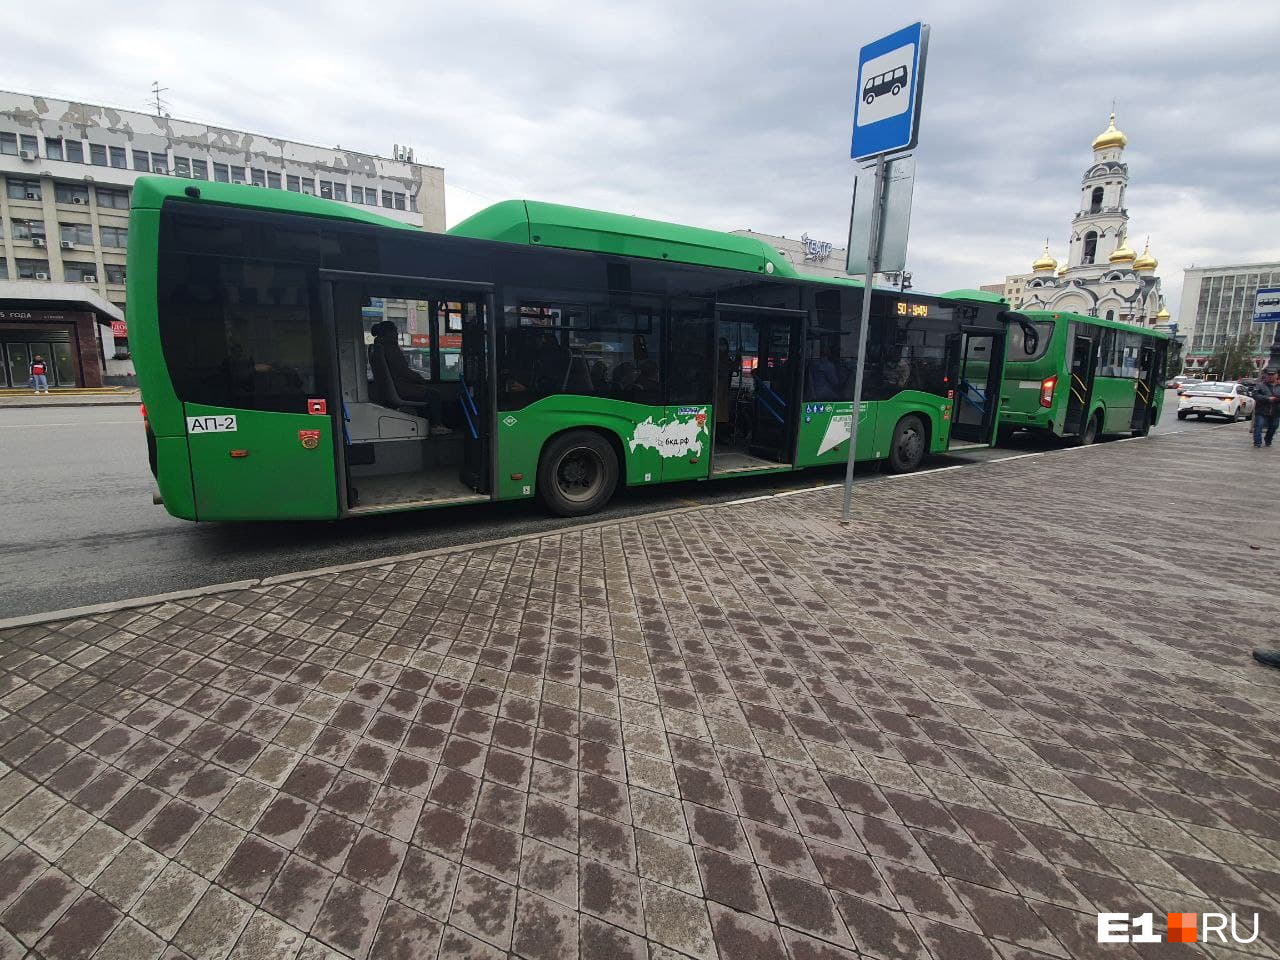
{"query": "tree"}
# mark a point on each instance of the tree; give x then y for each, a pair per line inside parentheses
(1233, 359)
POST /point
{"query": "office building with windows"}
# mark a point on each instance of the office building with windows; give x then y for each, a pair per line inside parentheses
(67, 170)
(1217, 307)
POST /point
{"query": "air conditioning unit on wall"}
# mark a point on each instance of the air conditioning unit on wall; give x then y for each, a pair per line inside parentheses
(89, 278)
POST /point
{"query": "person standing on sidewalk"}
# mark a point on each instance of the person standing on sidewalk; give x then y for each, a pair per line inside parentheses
(1266, 415)
(39, 374)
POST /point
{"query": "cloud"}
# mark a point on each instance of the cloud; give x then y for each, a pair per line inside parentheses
(734, 114)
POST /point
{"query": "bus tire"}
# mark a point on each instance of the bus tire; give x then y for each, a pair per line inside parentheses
(909, 445)
(577, 473)
(1091, 431)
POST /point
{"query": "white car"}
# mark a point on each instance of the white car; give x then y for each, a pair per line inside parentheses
(1229, 400)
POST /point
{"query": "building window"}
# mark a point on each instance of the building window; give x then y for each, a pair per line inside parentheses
(386, 198)
(357, 194)
(273, 180)
(340, 191)
(53, 148)
(294, 183)
(33, 269)
(114, 236)
(221, 173)
(1095, 200)
(4, 269)
(76, 271)
(115, 199)
(237, 174)
(30, 145)
(97, 155)
(200, 169)
(1090, 246)
(115, 272)
(9, 144)
(75, 151)
(119, 159)
(326, 189)
(76, 193)
(181, 167)
(399, 201)
(79, 233)
(142, 161)
(257, 176)
(308, 186)
(28, 230)
(23, 189)
(159, 163)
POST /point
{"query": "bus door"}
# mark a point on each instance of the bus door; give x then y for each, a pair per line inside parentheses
(977, 380)
(1084, 358)
(1146, 388)
(757, 372)
(413, 368)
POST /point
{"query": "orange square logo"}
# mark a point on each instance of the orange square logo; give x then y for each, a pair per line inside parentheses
(1182, 928)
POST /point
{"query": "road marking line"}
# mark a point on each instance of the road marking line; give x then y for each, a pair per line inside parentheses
(82, 423)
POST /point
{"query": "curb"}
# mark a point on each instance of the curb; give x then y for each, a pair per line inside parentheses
(132, 603)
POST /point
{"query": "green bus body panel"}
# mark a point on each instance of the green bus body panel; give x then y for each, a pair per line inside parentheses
(658, 443)
(574, 228)
(665, 444)
(278, 479)
(150, 193)
(980, 296)
(173, 477)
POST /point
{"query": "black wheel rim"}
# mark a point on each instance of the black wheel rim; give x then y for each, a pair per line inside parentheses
(910, 445)
(580, 475)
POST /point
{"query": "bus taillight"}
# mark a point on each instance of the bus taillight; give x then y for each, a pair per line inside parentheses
(142, 408)
(1047, 386)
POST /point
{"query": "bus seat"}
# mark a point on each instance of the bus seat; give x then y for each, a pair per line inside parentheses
(385, 385)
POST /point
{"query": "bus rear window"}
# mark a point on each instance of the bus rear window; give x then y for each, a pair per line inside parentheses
(1016, 350)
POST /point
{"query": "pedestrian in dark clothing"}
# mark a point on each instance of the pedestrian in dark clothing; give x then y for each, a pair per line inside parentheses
(1266, 415)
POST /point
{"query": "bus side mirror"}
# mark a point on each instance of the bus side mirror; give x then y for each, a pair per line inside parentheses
(1030, 335)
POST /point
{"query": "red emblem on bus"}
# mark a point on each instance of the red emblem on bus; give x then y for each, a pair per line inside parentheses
(317, 406)
(700, 419)
(310, 439)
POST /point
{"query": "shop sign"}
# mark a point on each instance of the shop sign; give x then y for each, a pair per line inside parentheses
(119, 329)
(815, 250)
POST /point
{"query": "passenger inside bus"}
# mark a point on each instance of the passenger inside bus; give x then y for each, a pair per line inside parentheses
(395, 378)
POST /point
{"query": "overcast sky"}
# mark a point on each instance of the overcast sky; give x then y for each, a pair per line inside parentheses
(733, 114)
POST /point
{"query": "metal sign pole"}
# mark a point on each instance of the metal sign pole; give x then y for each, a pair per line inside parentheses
(873, 257)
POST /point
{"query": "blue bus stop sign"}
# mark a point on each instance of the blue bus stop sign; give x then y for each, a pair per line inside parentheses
(886, 113)
(1266, 308)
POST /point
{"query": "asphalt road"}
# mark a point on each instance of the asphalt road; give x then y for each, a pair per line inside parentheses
(77, 525)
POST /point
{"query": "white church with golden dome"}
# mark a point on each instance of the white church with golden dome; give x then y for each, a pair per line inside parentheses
(1101, 276)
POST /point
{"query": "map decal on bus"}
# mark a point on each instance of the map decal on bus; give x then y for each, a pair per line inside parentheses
(682, 435)
(221, 423)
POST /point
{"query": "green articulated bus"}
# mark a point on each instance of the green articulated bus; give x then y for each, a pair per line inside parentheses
(1081, 377)
(555, 353)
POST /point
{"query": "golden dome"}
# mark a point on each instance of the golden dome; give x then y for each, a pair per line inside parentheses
(1163, 315)
(1110, 137)
(1122, 253)
(1046, 261)
(1062, 270)
(1145, 260)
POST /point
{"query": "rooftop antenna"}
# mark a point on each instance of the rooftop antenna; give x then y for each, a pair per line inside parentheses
(158, 101)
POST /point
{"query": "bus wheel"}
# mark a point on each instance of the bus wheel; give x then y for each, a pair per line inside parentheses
(577, 473)
(907, 450)
(1091, 431)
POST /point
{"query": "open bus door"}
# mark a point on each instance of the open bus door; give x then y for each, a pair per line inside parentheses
(477, 394)
(977, 367)
(1084, 360)
(1146, 390)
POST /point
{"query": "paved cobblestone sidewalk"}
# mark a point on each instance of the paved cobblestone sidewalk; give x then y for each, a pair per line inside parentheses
(957, 730)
